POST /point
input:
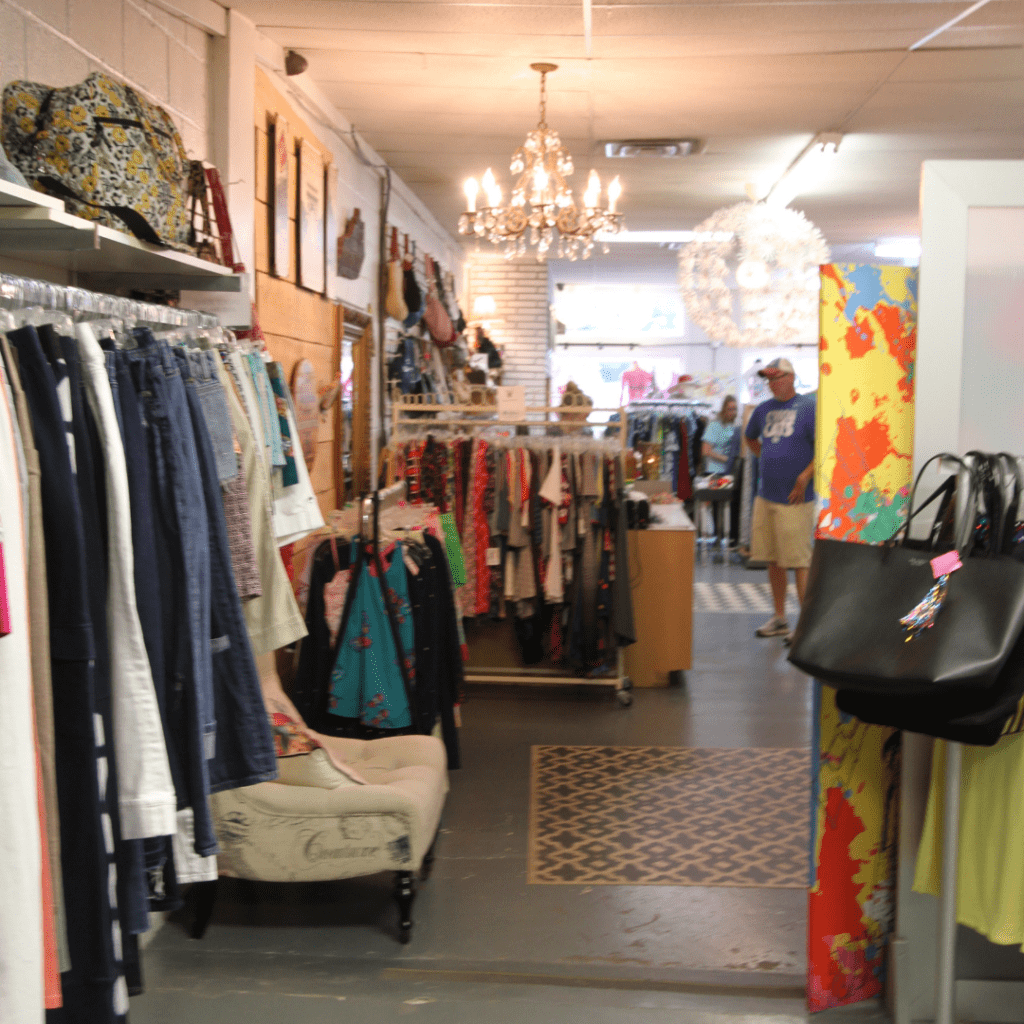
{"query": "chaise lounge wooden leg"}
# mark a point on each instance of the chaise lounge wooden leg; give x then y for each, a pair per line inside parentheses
(206, 897)
(428, 862)
(405, 892)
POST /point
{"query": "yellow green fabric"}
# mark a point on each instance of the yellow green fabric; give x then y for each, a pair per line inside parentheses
(990, 885)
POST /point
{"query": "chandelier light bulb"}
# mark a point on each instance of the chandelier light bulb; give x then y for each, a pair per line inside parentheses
(489, 186)
(614, 191)
(471, 189)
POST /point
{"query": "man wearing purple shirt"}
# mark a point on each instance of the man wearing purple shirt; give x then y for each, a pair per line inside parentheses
(781, 433)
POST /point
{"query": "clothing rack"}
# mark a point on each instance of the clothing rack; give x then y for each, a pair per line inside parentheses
(407, 410)
(668, 404)
(23, 292)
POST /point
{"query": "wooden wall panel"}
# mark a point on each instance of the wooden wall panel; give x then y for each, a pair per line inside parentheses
(297, 323)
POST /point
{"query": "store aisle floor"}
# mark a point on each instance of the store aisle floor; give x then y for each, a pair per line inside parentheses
(481, 932)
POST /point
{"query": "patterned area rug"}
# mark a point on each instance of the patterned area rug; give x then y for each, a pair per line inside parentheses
(747, 597)
(669, 816)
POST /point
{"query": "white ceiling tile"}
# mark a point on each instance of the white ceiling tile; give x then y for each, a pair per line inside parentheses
(444, 90)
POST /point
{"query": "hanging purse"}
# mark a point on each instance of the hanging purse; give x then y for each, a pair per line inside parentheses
(352, 248)
(394, 303)
(964, 714)
(411, 288)
(875, 619)
(438, 322)
(460, 320)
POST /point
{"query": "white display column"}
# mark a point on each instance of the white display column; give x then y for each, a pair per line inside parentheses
(969, 394)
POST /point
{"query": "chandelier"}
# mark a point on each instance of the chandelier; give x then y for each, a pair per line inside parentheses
(541, 203)
(773, 255)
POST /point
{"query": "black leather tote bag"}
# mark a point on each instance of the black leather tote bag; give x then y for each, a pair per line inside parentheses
(850, 635)
(980, 716)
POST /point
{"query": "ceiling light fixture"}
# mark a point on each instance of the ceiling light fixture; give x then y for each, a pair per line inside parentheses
(669, 148)
(811, 165)
(773, 255)
(541, 202)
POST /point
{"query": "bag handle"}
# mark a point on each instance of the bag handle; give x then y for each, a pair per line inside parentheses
(394, 245)
(989, 466)
(963, 545)
(1012, 507)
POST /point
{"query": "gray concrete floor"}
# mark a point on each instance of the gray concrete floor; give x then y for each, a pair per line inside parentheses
(488, 947)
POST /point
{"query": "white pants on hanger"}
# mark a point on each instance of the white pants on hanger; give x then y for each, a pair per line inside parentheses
(21, 909)
(146, 794)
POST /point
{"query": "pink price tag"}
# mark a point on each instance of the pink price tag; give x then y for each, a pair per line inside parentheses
(942, 565)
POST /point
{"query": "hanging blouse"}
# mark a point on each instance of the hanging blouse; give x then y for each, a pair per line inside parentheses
(366, 682)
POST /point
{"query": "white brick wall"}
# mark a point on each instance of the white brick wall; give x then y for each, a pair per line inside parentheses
(520, 292)
(60, 42)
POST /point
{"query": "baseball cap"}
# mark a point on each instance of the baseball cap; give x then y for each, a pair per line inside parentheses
(777, 368)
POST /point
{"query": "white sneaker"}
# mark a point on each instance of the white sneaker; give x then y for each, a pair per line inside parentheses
(774, 627)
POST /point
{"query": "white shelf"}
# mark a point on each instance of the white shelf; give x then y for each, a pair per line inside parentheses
(17, 195)
(37, 226)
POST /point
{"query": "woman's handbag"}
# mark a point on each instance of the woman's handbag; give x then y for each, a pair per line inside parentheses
(438, 322)
(968, 714)
(876, 620)
(394, 302)
(352, 248)
(110, 154)
(411, 288)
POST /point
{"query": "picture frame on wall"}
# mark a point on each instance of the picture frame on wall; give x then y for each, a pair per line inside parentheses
(331, 214)
(280, 233)
(310, 217)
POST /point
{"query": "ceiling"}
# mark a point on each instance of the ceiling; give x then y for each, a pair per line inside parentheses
(444, 90)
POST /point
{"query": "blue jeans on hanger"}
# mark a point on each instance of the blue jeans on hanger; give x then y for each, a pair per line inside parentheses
(245, 752)
(182, 544)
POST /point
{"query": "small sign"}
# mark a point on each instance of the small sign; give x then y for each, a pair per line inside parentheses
(511, 402)
(494, 556)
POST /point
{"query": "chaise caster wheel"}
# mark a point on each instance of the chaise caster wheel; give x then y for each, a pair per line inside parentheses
(624, 697)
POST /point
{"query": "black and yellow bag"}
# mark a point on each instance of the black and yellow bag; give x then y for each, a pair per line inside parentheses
(112, 156)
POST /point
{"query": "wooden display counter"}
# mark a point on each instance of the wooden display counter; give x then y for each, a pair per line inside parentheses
(661, 560)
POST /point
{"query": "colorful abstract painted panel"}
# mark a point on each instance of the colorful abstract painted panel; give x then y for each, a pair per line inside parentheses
(864, 459)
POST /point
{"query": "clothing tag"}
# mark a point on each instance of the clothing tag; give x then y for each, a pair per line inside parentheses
(494, 556)
(945, 564)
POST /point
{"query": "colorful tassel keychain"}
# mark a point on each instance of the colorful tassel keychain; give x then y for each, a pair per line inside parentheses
(922, 616)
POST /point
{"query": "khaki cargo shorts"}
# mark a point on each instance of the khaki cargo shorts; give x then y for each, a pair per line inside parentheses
(782, 533)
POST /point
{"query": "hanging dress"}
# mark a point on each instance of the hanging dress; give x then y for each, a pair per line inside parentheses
(366, 682)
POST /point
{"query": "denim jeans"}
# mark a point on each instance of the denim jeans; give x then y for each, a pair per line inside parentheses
(215, 412)
(182, 545)
(244, 753)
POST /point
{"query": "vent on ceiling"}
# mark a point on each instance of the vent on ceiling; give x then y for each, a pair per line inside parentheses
(670, 148)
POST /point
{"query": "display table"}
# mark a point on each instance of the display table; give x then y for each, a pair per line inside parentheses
(661, 560)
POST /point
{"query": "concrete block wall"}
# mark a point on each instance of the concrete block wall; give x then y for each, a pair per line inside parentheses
(60, 42)
(520, 291)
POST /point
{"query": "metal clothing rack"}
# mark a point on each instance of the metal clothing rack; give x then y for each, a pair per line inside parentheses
(471, 419)
(23, 292)
(643, 404)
